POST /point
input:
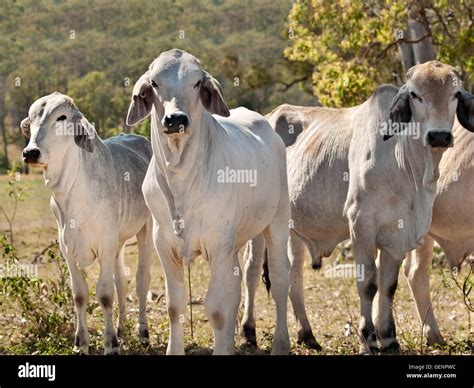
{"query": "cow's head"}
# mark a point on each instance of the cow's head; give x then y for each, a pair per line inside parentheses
(53, 125)
(179, 89)
(431, 97)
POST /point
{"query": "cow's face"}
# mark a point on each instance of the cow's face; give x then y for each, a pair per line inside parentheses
(53, 125)
(430, 99)
(179, 89)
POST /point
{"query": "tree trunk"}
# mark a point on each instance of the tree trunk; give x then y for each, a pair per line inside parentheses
(3, 130)
(423, 51)
(406, 52)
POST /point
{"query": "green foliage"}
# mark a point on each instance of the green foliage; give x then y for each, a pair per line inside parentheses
(95, 51)
(343, 54)
(99, 98)
(45, 305)
(452, 27)
(351, 47)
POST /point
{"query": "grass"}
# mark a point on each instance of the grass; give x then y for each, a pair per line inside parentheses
(331, 303)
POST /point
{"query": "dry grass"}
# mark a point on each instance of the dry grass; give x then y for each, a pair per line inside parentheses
(331, 302)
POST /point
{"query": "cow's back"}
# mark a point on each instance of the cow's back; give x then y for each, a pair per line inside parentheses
(290, 120)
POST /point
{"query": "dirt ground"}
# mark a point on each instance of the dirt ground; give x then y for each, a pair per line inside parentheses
(332, 303)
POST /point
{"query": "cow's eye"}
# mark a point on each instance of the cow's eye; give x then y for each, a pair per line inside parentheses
(154, 84)
(198, 84)
(415, 96)
(61, 118)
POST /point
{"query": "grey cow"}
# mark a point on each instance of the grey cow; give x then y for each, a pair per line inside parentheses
(98, 204)
(451, 226)
(348, 177)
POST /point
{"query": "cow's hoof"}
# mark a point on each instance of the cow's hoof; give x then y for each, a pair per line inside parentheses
(81, 350)
(248, 335)
(434, 338)
(81, 345)
(144, 335)
(281, 348)
(111, 351)
(112, 347)
(307, 339)
(393, 348)
(370, 351)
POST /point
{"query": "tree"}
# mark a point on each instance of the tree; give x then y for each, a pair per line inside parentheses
(351, 47)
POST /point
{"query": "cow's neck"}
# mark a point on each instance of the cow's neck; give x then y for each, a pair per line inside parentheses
(178, 162)
(70, 180)
(179, 155)
(422, 164)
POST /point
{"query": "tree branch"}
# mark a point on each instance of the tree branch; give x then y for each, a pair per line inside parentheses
(401, 40)
(288, 85)
(441, 20)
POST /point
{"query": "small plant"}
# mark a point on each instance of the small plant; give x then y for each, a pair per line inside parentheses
(17, 191)
(44, 305)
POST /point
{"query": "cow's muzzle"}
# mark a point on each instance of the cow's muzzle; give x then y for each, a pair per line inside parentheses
(440, 139)
(175, 123)
(31, 155)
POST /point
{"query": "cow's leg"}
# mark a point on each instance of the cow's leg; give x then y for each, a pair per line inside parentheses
(217, 303)
(296, 250)
(416, 269)
(121, 286)
(234, 302)
(362, 236)
(176, 298)
(105, 297)
(276, 238)
(387, 285)
(145, 252)
(253, 269)
(80, 292)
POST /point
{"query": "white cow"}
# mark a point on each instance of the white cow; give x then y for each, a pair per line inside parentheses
(214, 182)
(98, 204)
(346, 178)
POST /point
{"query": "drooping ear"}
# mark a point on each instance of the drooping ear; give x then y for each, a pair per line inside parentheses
(400, 111)
(465, 110)
(212, 97)
(25, 127)
(83, 131)
(142, 100)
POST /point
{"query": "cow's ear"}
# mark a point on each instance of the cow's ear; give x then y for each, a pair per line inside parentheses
(212, 97)
(83, 131)
(465, 110)
(400, 111)
(142, 100)
(25, 127)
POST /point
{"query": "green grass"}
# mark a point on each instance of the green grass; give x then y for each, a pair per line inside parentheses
(331, 302)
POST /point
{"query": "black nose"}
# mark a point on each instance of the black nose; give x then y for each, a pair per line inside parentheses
(440, 139)
(176, 123)
(31, 156)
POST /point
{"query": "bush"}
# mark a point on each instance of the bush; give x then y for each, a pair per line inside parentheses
(45, 305)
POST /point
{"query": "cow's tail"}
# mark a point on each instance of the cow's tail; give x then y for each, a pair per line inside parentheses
(266, 272)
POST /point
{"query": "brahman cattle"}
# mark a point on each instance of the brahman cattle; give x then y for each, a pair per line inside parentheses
(98, 204)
